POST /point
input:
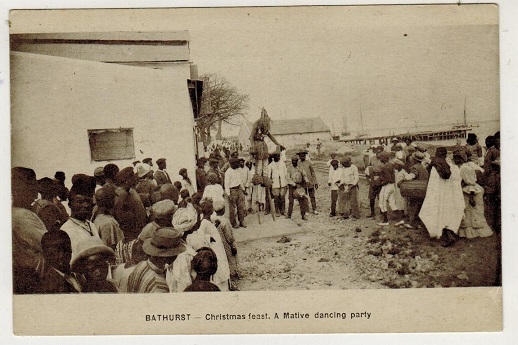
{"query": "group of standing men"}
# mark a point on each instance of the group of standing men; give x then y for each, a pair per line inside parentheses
(453, 195)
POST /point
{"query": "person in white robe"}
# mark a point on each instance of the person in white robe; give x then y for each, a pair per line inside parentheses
(443, 206)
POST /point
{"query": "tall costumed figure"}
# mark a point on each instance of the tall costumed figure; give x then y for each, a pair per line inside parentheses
(259, 153)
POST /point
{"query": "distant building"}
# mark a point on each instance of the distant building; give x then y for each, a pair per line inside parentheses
(83, 100)
(290, 133)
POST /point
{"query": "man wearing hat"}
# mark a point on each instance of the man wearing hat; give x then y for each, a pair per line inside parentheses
(129, 210)
(419, 173)
(312, 178)
(372, 173)
(214, 169)
(92, 260)
(161, 176)
(473, 149)
(108, 228)
(201, 174)
(334, 180)
(169, 192)
(387, 180)
(235, 190)
(80, 201)
(248, 173)
(399, 153)
(162, 215)
(27, 229)
(148, 161)
(408, 148)
(349, 189)
(100, 180)
(394, 142)
(162, 248)
(45, 208)
(278, 173)
(110, 174)
(146, 185)
(297, 182)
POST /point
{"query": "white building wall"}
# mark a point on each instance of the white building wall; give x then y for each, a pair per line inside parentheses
(54, 101)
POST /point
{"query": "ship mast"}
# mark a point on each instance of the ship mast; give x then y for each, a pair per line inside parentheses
(361, 119)
(465, 122)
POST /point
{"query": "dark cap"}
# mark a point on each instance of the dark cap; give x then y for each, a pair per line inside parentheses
(124, 175)
(441, 152)
(160, 161)
(83, 185)
(111, 170)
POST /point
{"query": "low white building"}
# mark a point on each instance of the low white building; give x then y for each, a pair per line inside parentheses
(290, 133)
(83, 100)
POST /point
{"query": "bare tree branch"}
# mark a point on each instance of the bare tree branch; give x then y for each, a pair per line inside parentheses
(221, 102)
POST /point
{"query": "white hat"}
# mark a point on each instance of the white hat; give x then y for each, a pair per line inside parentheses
(142, 169)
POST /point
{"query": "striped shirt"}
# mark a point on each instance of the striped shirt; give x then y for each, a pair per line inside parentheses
(147, 278)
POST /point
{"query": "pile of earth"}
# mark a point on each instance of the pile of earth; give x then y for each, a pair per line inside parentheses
(404, 258)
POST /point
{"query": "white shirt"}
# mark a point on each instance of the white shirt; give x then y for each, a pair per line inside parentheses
(279, 174)
(78, 230)
(214, 192)
(246, 176)
(350, 175)
(186, 185)
(233, 178)
(335, 177)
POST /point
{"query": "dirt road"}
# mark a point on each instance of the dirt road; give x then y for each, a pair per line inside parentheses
(331, 253)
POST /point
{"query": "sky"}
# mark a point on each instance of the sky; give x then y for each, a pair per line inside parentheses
(338, 63)
(368, 68)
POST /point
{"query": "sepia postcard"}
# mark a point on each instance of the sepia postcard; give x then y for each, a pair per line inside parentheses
(303, 169)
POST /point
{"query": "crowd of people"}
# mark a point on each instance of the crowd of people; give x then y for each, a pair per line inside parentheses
(450, 194)
(226, 146)
(136, 230)
(129, 230)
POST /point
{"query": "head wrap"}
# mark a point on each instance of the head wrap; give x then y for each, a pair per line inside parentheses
(184, 219)
(441, 152)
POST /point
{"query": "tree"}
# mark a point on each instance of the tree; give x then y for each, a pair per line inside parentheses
(221, 103)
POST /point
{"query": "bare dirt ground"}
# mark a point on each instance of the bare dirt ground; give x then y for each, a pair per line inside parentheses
(331, 253)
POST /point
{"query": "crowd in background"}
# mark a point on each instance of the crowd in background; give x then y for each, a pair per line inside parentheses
(454, 193)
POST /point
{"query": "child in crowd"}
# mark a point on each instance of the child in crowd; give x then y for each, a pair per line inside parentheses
(207, 235)
(205, 264)
(185, 181)
(213, 190)
(184, 194)
(56, 276)
(227, 236)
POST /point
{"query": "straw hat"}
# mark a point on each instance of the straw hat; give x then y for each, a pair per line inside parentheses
(165, 242)
(89, 246)
(143, 169)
